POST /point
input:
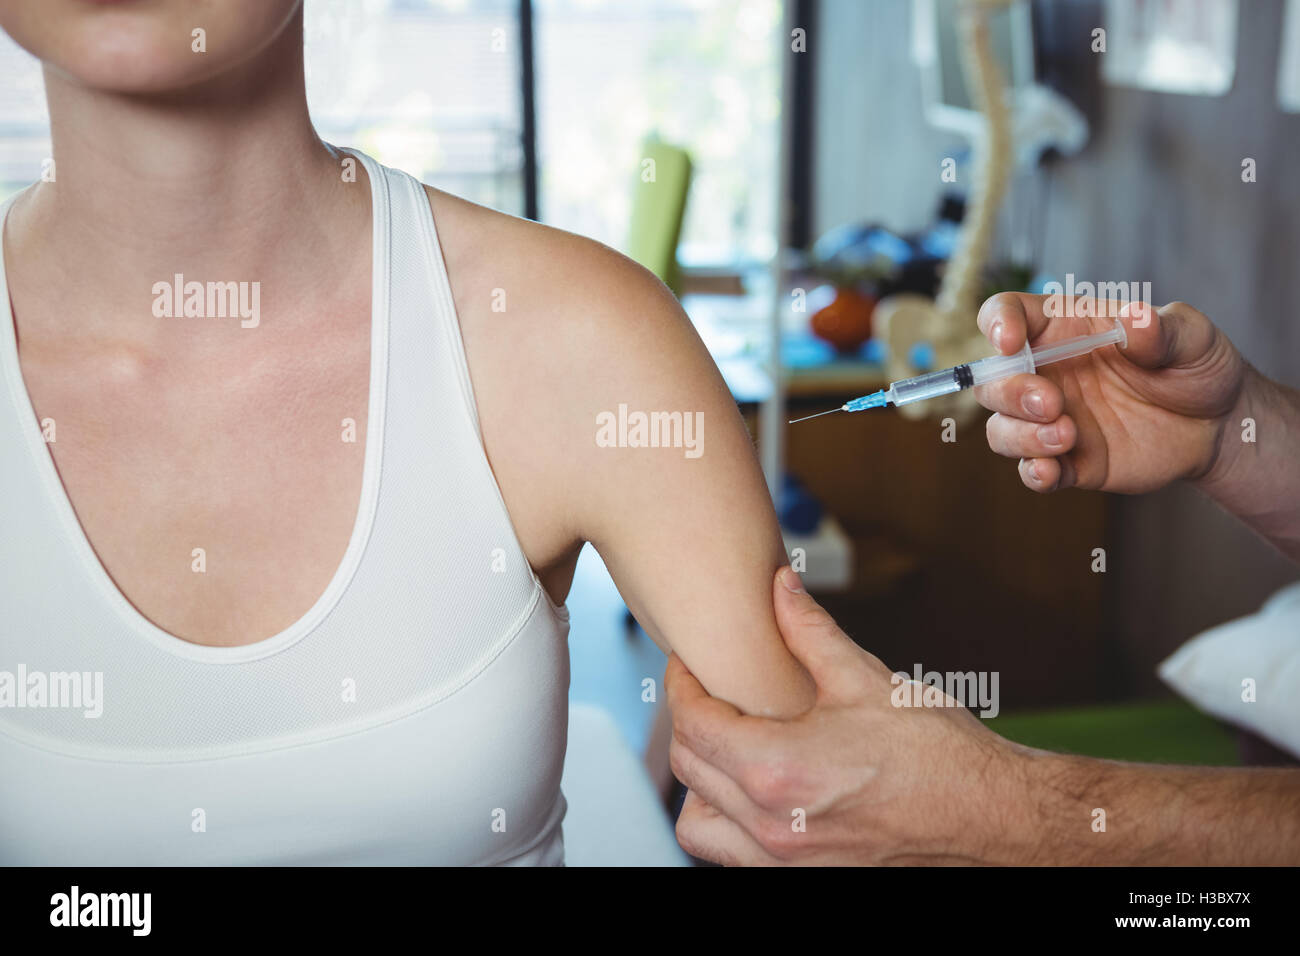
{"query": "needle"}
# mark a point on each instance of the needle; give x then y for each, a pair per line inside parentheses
(818, 415)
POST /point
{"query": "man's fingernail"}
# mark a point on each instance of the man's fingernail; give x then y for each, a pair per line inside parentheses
(791, 581)
(1034, 403)
(995, 334)
(1033, 472)
(1049, 434)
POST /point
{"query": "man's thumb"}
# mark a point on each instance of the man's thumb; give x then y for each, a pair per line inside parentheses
(809, 632)
(1172, 336)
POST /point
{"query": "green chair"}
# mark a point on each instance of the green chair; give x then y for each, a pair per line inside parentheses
(663, 179)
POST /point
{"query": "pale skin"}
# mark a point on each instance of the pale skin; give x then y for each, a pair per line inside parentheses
(174, 435)
(873, 783)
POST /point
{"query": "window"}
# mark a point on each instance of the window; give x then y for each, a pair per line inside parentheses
(24, 121)
(431, 87)
(702, 74)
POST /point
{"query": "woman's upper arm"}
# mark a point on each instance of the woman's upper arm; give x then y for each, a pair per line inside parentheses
(669, 491)
(584, 344)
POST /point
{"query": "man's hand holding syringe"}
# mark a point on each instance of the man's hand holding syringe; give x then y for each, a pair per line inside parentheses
(1172, 405)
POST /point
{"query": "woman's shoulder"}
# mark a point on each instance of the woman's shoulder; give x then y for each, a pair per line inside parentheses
(499, 265)
(560, 330)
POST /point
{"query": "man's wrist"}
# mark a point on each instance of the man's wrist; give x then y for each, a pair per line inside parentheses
(1228, 473)
(1253, 476)
(1045, 809)
(1063, 810)
(1028, 810)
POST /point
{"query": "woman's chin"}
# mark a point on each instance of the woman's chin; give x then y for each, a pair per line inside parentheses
(141, 75)
(145, 46)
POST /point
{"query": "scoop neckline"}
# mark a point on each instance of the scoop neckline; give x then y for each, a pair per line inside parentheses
(363, 524)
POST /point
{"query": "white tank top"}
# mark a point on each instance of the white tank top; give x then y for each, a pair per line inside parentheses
(416, 714)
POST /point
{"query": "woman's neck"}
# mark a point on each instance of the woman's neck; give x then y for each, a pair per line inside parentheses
(223, 181)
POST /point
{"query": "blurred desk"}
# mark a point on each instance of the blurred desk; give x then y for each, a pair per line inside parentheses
(734, 329)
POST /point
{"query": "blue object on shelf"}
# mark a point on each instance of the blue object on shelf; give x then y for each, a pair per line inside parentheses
(875, 351)
(798, 510)
(921, 357)
(804, 350)
(860, 244)
(940, 241)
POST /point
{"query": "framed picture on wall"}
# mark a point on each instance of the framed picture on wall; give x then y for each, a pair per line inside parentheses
(936, 49)
(1288, 66)
(1171, 46)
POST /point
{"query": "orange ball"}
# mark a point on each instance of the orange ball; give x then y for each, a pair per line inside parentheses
(846, 322)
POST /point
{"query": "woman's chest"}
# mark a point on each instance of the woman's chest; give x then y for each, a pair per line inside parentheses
(220, 504)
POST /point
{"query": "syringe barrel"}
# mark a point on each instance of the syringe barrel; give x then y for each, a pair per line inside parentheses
(929, 385)
(1081, 345)
(949, 380)
(997, 367)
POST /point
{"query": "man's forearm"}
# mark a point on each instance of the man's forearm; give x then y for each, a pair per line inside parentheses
(1257, 473)
(1083, 811)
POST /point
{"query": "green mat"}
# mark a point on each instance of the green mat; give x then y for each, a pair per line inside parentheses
(1165, 731)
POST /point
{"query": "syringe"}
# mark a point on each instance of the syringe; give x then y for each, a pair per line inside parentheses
(982, 372)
